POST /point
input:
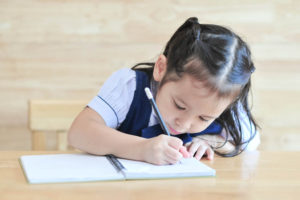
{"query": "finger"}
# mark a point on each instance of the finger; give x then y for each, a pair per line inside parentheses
(173, 154)
(200, 152)
(174, 142)
(163, 162)
(187, 144)
(184, 152)
(193, 148)
(171, 161)
(210, 154)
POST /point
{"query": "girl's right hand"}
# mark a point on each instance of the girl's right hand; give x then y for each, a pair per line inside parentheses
(162, 150)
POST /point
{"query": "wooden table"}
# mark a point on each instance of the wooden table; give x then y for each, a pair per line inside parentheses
(256, 175)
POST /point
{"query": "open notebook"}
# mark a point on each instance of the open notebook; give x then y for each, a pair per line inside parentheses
(84, 167)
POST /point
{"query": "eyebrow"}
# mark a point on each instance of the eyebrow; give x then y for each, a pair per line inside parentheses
(205, 116)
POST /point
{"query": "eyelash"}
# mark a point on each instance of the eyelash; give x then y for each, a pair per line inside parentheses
(177, 106)
(205, 120)
(181, 108)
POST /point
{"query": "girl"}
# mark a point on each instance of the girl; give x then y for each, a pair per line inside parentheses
(201, 84)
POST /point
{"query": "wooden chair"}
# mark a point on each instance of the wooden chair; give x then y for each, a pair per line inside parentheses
(52, 116)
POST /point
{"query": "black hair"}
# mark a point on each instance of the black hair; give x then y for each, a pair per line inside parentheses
(218, 57)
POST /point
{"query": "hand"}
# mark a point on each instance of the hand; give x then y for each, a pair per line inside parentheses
(198, 148)
(218, 142)
(184, 152)
(162, 150)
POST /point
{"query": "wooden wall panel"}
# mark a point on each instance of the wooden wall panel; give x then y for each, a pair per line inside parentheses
(55, 49)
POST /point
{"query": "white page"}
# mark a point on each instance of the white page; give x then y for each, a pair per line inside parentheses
(68, 168)
(188, 167)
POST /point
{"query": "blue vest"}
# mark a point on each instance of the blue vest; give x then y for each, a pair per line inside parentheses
(137, 119)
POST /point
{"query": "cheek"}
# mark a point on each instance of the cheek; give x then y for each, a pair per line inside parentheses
(166, 108)
(199, 126)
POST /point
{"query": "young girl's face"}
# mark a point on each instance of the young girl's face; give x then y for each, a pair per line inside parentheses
(187, 106)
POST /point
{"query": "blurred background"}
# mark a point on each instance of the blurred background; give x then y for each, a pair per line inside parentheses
(57, 49)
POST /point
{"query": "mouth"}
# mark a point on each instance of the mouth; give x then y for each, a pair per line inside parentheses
(173, 131)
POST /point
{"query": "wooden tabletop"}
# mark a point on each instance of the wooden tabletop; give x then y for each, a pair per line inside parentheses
(255, 175)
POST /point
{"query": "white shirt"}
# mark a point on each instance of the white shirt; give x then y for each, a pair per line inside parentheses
(114, 99)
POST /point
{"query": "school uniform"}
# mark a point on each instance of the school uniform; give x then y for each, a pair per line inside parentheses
(123, 105)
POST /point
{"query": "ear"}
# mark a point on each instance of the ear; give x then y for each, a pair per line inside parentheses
(160, 68)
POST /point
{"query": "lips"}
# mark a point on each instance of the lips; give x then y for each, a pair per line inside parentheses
(174, 131)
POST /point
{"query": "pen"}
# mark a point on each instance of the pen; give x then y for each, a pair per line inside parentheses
(152, 101)
(117, 164)
(182, 150)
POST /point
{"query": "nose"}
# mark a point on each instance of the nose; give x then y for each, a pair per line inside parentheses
(184, 122)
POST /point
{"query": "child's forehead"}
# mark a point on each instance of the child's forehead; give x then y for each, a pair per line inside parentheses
(189, 84)
(188, 87)
(198, 97)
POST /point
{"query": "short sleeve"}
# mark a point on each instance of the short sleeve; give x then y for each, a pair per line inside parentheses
(115, 97)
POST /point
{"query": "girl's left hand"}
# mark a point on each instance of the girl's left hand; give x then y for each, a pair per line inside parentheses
(199, 148)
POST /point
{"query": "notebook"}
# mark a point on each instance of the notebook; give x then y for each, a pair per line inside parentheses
(58, 168)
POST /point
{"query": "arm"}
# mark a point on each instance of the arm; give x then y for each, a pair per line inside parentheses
(89, 133)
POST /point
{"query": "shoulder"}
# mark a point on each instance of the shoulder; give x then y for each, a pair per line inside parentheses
(123, 75)
(115, 97)
(121, 81)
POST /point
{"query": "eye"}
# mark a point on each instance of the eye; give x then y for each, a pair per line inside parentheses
(202, 119)
(178, 107)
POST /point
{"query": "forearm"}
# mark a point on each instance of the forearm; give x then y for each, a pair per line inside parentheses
(93, 136)
(89, 133)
